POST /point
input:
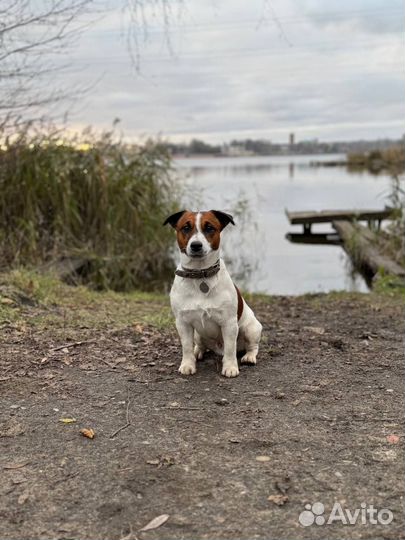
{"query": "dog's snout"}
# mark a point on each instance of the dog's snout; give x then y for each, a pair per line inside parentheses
(196, 246)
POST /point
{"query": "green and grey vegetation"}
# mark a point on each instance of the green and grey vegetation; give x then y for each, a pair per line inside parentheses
(92, 202)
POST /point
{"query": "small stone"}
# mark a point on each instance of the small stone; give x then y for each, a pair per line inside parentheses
(221, 401)
(262, 459)
(174, 404)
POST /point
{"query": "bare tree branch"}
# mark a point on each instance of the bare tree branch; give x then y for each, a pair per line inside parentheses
(140, 13)
(32, 34)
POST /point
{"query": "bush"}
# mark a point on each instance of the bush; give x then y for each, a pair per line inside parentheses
(391, 160)
(95, 201)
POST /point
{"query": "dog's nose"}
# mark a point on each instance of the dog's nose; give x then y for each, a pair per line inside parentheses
(196, 246)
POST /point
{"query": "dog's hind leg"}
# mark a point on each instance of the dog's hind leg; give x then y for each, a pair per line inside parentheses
(252, 334)
(199, 347)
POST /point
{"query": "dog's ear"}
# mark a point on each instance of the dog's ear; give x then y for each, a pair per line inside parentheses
(223, 218)
(174, 218)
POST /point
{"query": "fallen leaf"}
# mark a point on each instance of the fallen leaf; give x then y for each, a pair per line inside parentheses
(67, 420)
(262, 459)
(279, 500)
(153, 462)
(393, 439)
(89, 433)
(155, 523)
(138, 328)
(7, 301)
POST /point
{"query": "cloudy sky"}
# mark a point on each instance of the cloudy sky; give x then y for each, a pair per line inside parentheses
(227, 69)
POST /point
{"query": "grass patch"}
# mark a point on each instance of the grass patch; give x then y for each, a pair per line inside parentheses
(61, 307)
(43, 302)
(393, 287)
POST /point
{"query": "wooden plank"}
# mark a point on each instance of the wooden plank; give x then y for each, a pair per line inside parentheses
(326, 216)
(326, 239)
(358, 243)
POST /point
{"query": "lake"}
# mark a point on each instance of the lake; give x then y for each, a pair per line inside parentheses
(257, 190)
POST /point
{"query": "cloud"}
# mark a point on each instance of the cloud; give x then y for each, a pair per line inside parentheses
(241, 68)
(367, 16)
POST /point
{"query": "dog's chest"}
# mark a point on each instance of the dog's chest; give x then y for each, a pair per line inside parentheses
(197, 307)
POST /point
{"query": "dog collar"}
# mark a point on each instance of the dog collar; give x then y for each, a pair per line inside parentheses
(199, 274)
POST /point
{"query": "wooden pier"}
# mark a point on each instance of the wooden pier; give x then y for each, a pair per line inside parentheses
(356, 239)
(328, 216)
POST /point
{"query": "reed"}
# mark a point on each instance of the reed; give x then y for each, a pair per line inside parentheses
(94, 200)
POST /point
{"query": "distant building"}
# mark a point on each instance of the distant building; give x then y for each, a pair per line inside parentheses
(292, 139)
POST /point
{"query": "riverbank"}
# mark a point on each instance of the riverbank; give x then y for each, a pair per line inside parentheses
(318, 419)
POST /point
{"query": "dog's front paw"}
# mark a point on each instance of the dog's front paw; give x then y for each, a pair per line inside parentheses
(230, 370)
(187, 368)
(249, 358)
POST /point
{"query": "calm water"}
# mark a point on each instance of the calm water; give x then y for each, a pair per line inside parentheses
(257, 190)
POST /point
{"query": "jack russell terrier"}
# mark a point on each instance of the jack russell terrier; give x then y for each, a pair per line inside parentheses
(209, 309)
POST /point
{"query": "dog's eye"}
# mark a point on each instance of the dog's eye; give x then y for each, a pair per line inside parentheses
(209, 228)
(186, 228)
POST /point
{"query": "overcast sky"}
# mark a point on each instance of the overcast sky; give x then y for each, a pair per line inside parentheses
(236, 68)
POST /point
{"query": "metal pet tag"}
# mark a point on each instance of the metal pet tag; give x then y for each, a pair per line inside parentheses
(204, 287)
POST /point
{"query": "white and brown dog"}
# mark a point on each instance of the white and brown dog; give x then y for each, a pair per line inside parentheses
(209, 309)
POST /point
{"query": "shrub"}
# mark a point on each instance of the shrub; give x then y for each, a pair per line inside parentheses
(390, 160)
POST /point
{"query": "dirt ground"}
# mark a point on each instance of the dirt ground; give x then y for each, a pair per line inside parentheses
(319, 419)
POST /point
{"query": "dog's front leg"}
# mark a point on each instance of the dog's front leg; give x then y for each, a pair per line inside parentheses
(186, 333)
(229, 361)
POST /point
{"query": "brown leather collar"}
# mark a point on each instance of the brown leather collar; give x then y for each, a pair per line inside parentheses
(199, 274)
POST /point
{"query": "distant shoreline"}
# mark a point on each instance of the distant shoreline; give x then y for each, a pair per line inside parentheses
(220, 156)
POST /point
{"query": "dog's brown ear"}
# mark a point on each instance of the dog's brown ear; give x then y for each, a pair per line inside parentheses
(174, 218)
(223, 218)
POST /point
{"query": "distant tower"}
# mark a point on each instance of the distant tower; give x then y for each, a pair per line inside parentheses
(292, 139)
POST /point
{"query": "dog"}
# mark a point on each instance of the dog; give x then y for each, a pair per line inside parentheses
(209, 310)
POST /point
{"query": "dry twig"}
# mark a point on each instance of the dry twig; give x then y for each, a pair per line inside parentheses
(128, 420)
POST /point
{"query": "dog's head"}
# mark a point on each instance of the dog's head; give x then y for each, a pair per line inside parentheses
(199, 233)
